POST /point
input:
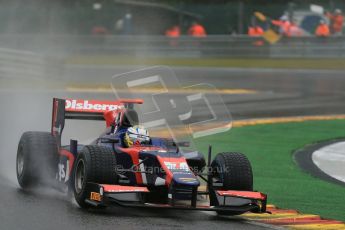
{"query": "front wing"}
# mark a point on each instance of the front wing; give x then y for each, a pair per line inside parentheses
(131, 196)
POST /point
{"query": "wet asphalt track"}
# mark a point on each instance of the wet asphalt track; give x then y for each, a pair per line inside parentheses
(280, 93)
(51, 210)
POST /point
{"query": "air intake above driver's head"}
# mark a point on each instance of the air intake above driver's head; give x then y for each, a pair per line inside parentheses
(130, 118)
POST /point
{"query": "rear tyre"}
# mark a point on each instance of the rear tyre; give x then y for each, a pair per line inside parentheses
(94, 164)
(37, 157)
(233, 169)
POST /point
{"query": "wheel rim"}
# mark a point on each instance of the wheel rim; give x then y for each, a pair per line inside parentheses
(218, 173)
(79, 176)
(20, 162)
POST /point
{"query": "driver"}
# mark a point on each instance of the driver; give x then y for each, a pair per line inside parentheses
(129, 131)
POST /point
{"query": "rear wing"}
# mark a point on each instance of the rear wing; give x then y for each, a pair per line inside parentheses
(84, 110)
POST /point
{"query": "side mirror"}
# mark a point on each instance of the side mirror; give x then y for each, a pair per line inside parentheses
(109, 139)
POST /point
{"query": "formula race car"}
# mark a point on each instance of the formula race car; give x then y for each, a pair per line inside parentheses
(153, 173)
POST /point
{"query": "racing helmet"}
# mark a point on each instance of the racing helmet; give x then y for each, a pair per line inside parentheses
(136, 135)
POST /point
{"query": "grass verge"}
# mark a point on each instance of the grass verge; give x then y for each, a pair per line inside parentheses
(212, 62)
(270, 148)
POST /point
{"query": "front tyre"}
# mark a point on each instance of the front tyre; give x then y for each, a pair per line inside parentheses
(95, 164)
(234, 171)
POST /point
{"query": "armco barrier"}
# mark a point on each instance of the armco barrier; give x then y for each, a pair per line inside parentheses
(21, 64)
(185, 46)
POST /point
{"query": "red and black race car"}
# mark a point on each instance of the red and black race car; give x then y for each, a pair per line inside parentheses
(156, 174)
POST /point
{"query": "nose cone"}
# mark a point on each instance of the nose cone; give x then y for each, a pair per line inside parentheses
(186, 180)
